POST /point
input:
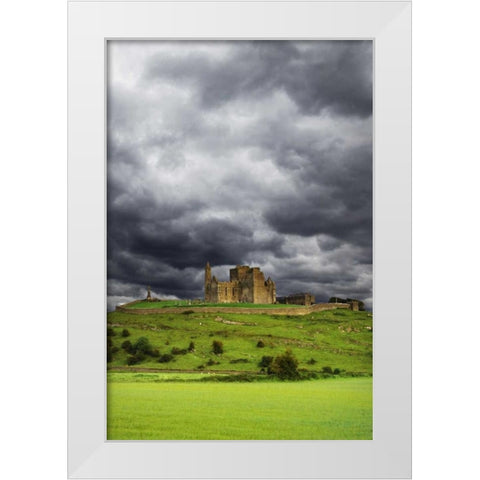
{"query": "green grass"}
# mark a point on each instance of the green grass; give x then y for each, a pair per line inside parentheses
(151, 401)
(148, 408)
(185, 303)
(336, 338)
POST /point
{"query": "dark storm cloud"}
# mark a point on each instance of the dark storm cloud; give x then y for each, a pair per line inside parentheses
(239, 153)
(331, 75)
(334, 197)
(181, 246)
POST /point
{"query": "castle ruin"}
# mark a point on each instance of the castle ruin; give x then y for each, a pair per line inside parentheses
(297, 299)
(246, 285)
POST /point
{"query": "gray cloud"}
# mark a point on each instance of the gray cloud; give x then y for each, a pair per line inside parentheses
(335, 75)
(239, 152)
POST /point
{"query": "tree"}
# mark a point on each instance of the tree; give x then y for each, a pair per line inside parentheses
(285, 366)
(142, 345)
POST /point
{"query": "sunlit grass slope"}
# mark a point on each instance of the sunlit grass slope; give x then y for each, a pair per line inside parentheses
(337, 338)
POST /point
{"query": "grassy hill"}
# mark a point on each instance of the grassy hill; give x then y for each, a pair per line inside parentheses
(188, 397)
(337, 338)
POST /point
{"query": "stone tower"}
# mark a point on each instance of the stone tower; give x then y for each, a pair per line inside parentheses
(208, 282)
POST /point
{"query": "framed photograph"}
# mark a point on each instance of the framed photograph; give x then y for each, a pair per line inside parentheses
(239, 283)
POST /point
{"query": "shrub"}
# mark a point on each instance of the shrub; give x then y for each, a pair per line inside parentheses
(312, 361)
(191, 347)
(154, 353)
(217, 347)
(285, 366)
(239, 360)
(260, 344)
(336, 371)
(265, 362)
(115, 349)
(110, 332)
(179, 351)
(201, 367)
(165, 358)
(139, 356)
(212, 362)
(327, 370)
(125, 333)
(188, 312)
(127, 345)
(132, 360)
(142, 345)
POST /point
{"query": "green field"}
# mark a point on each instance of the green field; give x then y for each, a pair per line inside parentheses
(151, 408)
(337, 338)
(148, 400)
(185, 303)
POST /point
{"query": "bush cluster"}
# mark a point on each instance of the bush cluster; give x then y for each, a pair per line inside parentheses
(138, 350)
(217, 347)
(285, 366)
(142, 345)
(265, 362)
(260, 344)
(328, 370)
(179, 351)
(134, 359)
(165, 358)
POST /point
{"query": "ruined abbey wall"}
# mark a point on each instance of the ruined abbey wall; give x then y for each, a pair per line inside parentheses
(246, 285)
(297, 299)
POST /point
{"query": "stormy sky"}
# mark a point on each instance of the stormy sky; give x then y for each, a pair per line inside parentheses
(253, 153)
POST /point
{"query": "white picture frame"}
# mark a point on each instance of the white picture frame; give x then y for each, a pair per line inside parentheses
(388, 24)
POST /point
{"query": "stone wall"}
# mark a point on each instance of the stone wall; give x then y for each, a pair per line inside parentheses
(270, 311)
